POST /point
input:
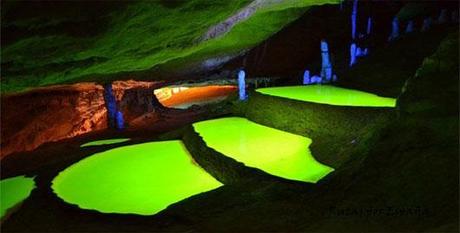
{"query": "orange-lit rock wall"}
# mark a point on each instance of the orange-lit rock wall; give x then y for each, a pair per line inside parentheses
(53, 113)
(50, 114)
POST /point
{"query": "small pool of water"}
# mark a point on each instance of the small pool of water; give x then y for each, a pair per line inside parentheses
(140, 179)
(105, 142)
(274, 151)
(325, 94)
(13, 191)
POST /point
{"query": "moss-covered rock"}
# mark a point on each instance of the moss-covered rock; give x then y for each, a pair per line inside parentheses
(142, 39)
(332, 128)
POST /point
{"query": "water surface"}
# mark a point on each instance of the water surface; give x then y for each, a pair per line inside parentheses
(274, 151)
(13, 191)
(141, 179)
(105, 142)
(325, 94)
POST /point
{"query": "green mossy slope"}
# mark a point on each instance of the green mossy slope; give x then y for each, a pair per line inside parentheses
(137, 39)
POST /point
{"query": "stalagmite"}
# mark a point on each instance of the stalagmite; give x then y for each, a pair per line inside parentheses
(242, 85)
(442, 17)
(427, 24)
(394, 29)
(326, 66)
(316, 79)
(352, 54)
(410, 26)
(306, 77)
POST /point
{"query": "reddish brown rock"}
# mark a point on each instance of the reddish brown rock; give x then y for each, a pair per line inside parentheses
(54, 113)
(49, 114)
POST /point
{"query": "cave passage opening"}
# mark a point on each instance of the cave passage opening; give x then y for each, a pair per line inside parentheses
(183, 97)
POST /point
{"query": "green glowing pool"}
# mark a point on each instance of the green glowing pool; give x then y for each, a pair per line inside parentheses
(13, 191)
(105, 142)
(141, 179)
(274, 151)
(331, 95)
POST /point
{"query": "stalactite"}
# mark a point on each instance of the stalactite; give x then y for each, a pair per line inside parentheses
(353, 19)
(410, 26)
(369, 25)
(427, 24)
(120, 122)
(394, 29)
(442, 17)
(111, 105)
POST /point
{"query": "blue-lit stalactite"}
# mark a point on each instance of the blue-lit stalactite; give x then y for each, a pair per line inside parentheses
(242, 85)
(326, 66)
(355, 50)
(410, 26)
(120, 122)
(354, 14)
(427, 22)
(114, 117)
(442, 17)
(369, 25)
(394, 29)
(111, 105)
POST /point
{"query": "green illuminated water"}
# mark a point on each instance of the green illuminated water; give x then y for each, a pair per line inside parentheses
(274, 151)
(13, 191)
(141, 179)
(105, 142)
(332, 95)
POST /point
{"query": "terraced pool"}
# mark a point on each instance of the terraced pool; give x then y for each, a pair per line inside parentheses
(274, 151)
(105, 142)
(325, 94)
(13, 191)
(140, 179)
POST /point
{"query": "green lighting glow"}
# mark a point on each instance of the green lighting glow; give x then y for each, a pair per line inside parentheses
(274, 151)
(13, 191)
(331, 95)
(141, 179)
(105, 142)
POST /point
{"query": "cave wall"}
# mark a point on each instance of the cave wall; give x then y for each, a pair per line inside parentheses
(50, 114)
(32, 118)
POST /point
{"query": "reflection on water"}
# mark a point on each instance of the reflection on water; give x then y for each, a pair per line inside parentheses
(329, 95)
(274, 151)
